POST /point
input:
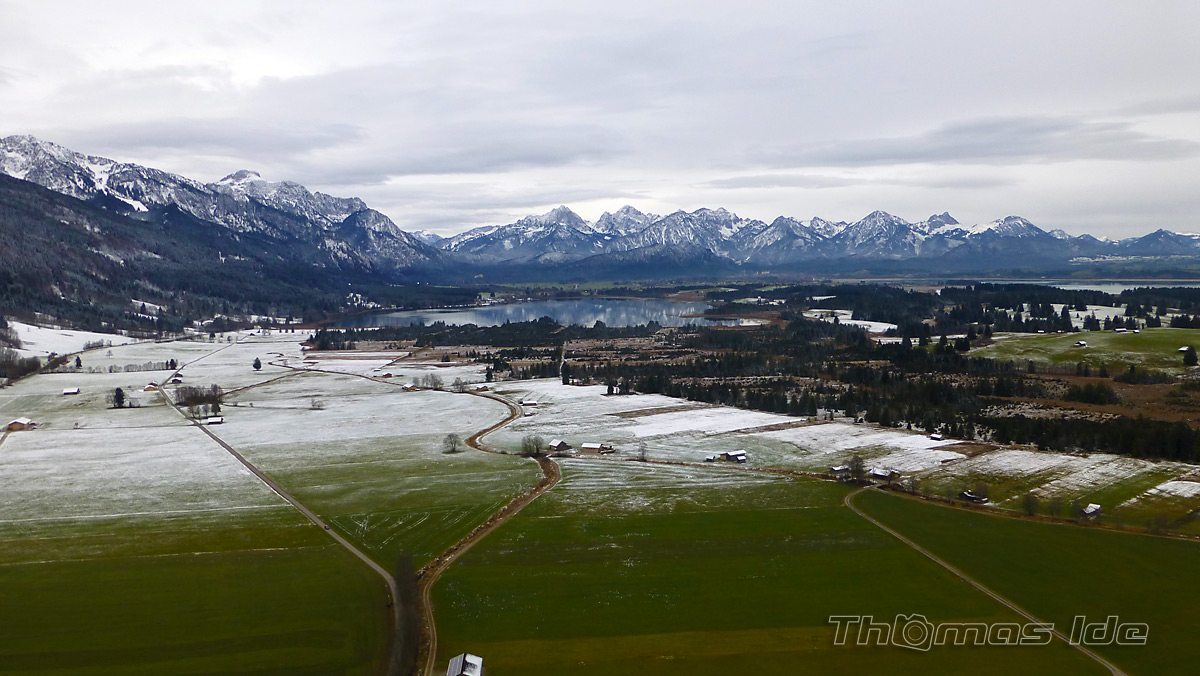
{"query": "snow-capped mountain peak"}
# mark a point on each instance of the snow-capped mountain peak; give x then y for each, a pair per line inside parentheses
(1009, 226)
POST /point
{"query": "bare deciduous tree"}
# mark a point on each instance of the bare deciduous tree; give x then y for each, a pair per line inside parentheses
(450, 443)
(1030, 503)
(532, 445)
(858, 469)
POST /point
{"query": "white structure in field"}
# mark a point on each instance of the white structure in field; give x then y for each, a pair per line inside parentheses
(1091, 510)
(71, 390)
(465, 664)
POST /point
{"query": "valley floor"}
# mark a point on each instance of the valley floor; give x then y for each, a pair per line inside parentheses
(133, 543)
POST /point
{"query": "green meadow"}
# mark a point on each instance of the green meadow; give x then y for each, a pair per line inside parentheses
(1059, 571)
(656, 577)
(1151, 348)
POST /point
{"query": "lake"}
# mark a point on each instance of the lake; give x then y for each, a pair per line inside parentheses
(615, 312)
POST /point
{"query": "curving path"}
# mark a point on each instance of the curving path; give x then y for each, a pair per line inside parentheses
(849, 502)
(427, 576)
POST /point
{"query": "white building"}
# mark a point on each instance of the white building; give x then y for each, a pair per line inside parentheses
(465, 664)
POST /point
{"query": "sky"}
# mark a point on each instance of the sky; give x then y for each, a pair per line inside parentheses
(449, 115)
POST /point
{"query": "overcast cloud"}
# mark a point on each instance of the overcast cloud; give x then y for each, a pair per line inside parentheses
(1076, 115)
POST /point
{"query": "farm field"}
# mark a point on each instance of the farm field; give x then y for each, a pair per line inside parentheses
(371, 459)
(681, 431)
(1057, 572)
(632, 568)
(1155, 348)
(133, 544)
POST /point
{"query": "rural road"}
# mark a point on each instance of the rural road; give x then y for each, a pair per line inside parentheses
(849, 502)
(429, 575)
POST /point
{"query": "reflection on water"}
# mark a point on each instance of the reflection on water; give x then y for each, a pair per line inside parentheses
(584, 312)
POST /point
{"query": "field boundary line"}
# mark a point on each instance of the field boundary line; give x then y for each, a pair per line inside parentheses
(389, 580)
(849, 502)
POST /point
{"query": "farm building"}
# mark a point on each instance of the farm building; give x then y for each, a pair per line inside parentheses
(559, 445)
(970, 496)
(409, 387)
(529, 402)
(1185, 348)
(731, 456)
(465, 664)
(70, 390)
(19, 424)
(884, 473)
(596, 448)
(218, 420)
(150, 387)
(177, 380)
(1092, 510)
(1081, 343)
(838, 469)
(936, 437)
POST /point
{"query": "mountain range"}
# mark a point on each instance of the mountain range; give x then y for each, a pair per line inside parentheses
(282, 224)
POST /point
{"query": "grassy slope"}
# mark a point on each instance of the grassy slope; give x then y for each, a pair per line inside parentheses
(1152, 348)
(1057, 572)
(731, 580)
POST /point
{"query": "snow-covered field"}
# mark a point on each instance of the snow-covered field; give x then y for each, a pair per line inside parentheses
(836, 436)
(583, 414)
(39, 341)
(847, 317)
(712, 420)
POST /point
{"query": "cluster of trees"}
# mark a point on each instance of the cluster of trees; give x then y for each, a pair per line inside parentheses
(540, 332)
(200, 401)
(1132, 436)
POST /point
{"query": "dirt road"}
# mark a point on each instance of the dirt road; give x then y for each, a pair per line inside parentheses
(429, 575)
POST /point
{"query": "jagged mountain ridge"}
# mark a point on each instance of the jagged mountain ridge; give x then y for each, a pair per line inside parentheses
(345, 230)
(346, 233)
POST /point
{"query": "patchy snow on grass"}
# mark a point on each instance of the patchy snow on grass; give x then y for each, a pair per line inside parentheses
(56, 474)
(1096, 471)
(1171, 489)
(622, 486)
(916, 460)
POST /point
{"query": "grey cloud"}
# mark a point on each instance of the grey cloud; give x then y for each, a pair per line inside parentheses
(233, 137)
(1167, 106)
(999, 140)
(816, 181)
